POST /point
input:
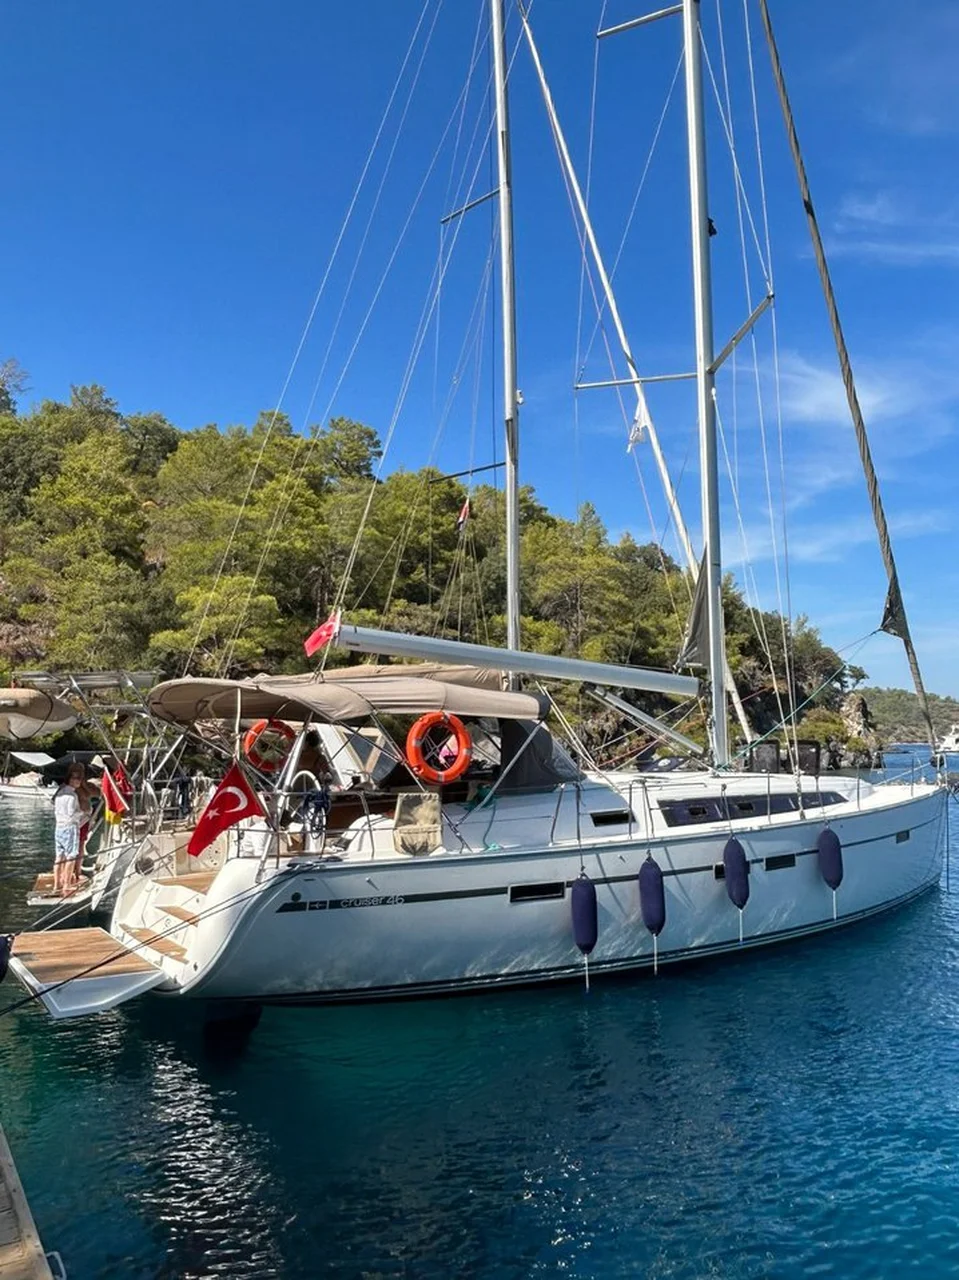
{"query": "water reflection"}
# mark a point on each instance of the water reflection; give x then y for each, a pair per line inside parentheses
(795, 1110)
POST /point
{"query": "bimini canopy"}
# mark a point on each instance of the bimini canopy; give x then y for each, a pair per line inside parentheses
(35, 759)
(339, 700)
(29, 713)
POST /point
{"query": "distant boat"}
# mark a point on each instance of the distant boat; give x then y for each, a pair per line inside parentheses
(26, 714)
(31, 785)
(950, 741)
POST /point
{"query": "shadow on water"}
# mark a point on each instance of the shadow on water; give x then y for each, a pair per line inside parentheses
(794, 1111)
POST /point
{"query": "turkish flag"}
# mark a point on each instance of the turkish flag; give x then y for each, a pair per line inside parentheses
(323, 634)
(233, 799)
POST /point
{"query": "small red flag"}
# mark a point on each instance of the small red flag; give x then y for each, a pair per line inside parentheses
(121, 781)
(463, 516)
(113, 799)
(233, 799)
(323, 634)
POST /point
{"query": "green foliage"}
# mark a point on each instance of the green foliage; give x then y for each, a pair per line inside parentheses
(823, 726)
(898, 716)
(126, 542)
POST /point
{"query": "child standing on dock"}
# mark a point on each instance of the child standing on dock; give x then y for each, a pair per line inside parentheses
(70, 817)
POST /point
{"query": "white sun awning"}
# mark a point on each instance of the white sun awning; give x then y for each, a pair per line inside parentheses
(35, 759)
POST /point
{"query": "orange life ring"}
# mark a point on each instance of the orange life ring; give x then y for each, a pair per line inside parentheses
(455, 729)
(270, 758)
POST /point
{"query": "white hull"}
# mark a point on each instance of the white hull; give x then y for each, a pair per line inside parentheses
(397, 927)
(30, 792)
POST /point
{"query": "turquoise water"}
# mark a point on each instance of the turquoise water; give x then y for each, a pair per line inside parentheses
(788, 1114)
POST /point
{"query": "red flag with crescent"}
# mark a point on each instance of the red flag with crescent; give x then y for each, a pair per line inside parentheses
(233, 799)
(323, 634)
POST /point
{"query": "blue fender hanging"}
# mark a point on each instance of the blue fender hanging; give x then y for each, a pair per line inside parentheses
(830, 858)
(652, 896)
(737, 872)
(6, 946)
(585, 913)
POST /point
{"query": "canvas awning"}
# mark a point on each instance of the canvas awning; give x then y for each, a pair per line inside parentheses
(35, 759)
(338, 700)
(29, 713)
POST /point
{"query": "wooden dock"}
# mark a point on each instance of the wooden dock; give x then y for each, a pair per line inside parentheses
(21, 1253)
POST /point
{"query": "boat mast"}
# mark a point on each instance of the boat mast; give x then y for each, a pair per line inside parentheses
(508, 298)
(705, 376)
(643, 416)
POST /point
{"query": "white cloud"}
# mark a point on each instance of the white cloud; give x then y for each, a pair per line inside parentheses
(888, 226)
(904, 69)
(829, 541)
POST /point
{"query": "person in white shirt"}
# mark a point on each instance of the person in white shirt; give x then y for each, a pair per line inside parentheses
(70, 817)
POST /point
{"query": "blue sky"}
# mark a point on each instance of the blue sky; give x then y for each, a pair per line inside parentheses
(176, 178)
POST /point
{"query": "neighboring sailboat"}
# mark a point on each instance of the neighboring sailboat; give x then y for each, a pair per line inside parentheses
(32, 713)
(470, 852)
(26, 714)
(31, 784)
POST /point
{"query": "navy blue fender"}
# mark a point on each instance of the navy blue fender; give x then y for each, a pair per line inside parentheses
(737, 872)
(830, 857)
(652, 896)
(6, 946)
(585, 914)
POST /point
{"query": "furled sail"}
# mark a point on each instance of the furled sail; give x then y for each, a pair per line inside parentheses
(695, 649)
(894, 615)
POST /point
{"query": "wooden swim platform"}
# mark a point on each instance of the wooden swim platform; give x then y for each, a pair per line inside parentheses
(56, 955)
(43, 886)
(75, 972)
(21, 1253)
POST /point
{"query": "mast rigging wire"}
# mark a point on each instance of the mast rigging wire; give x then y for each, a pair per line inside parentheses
(894, 620)
(305, 333)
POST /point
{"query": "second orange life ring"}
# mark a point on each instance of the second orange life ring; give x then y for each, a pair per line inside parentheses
(419, 743)
(262, 745)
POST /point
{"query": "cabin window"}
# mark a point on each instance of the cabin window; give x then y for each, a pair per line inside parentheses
(683, 813)
(779, 861)
(537, 892)
(902, 837)
(719, 870)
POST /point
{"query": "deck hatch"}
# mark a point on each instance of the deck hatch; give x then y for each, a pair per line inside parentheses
(610, 818)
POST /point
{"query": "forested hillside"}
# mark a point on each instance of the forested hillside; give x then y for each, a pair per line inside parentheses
(126, 542)
(897, 717)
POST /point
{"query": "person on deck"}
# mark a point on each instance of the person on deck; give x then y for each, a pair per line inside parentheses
(85, 795)
(70, 817)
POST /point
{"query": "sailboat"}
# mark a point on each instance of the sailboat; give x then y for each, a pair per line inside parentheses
(473, 852)
(27, 714)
